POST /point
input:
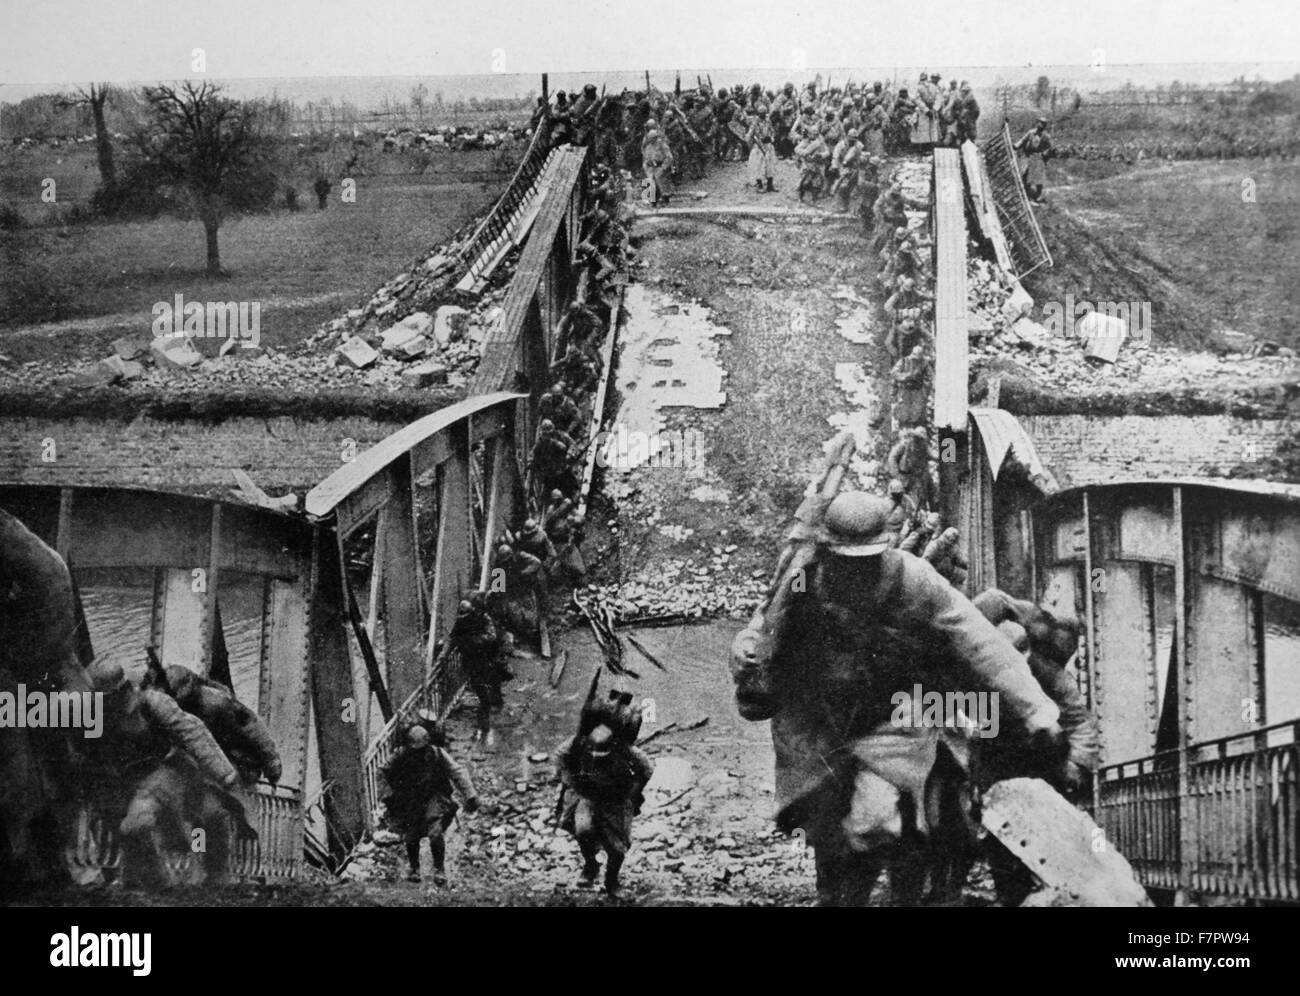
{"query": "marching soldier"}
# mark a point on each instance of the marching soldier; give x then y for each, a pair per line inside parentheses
(863, 623)
(604, 776)
(421, 779)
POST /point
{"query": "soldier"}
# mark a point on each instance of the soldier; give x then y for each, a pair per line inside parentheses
(524, 582)
(785, 112)
(903, 119)
(1069, 770)
(559, 408)
(561, 123)
(891, 215)
(918, 538)
(570, 567)
(604, 192)
(869, 182)
(874, 123)
(911, 397)
(238, 730)
(968, 115)
(657, 161)
(474, 636)
(948, 112)
(909, 461)
(1036, 146)
(532, 539)
(762, 153)
(813, 156)
(604, 776)
(908, 297)
(846, 160)
(901, 511)
(863, 623)
(699, 115)
(944, 553)
(557, 508)
(831, 129)
(421, 779)
(159, 773)
(583, 114)
(550, 459)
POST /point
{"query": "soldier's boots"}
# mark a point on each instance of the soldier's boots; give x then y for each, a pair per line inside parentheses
(612, 867)
(590, 869)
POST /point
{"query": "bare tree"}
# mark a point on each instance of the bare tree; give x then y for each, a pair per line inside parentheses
(95, 96)
(206, 143)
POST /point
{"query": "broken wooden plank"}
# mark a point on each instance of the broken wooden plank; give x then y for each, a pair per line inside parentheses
(557, 669)
(644, 652)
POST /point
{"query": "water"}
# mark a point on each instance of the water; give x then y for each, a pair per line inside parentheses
(118, 606)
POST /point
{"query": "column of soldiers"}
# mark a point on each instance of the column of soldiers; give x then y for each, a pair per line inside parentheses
(837, 135)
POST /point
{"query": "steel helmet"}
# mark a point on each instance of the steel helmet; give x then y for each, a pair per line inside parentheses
(855, 525)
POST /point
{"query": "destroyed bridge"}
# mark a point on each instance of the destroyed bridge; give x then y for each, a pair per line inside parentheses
(342, 611)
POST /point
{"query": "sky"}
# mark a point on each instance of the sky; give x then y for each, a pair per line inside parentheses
(60, 40)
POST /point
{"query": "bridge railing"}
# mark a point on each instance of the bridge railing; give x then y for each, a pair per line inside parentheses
(501, 228)
(1242, 807)
(516, 354)
(1025, 239)
(423, 570)
(276, 854)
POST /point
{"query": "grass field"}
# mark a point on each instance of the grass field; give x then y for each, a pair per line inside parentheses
(70, 290)
(1181, 236)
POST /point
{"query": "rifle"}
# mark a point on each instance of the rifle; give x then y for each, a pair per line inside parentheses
(591, 697)
(801, 545)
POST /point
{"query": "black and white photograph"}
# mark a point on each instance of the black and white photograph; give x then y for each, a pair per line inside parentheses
(722, 455)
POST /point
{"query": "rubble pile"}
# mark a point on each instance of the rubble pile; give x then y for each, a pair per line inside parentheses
(419, 350)
(1001, 331)
(686, 589)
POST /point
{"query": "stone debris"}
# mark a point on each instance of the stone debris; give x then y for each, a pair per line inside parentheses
(1060, 363)
(172, 354)
(356, 352)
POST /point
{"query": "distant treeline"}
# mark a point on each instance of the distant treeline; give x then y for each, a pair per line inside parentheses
(61, 116)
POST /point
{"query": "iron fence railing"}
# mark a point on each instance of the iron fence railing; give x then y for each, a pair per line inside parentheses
(1139, 810)
(493, 233)
(275, 855)
(1025, 239)
(1240, 816)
